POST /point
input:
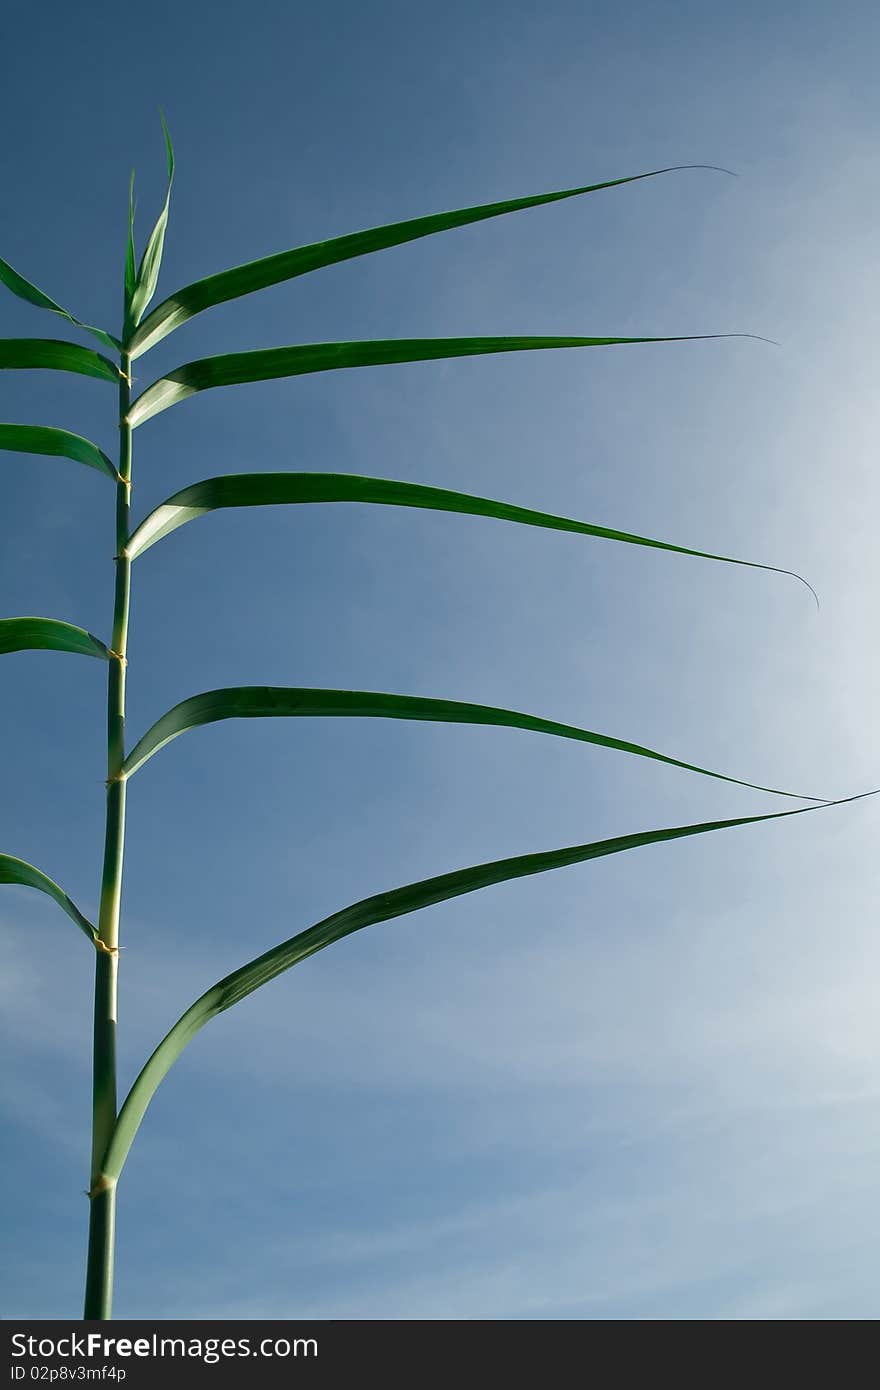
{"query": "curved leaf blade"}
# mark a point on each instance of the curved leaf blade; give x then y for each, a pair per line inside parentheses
(151, 261)
(24, 875)
(261, 701)
(49, 634)
(193, 299)
(271, 364)
(43, 439)
(25, 290)
(382, 907)
(274, 489)
(55, 355)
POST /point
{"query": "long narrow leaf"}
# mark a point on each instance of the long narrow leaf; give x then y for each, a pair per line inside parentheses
(260, 702)
(148, 271)
(48, 634)
(43, 439)
(57, 355)
(130, 276)
(269, 364)
(272, 489)
(369, 911)
(25, 290)
(17, 871)
(286, 265)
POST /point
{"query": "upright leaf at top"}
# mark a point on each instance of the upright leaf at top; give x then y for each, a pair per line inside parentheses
(286, 265)
(148, 271)
(25, 290)
(130, 268)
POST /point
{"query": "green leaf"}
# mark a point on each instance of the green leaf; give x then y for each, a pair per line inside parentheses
(151, 261)
(260, 701)
(59, 356)
(48, 634)
(235, 368)
(270, 489)
(25, 290)
(130, 269)
(42, 439)
(369, 911)
(16, 871)
(286, 265)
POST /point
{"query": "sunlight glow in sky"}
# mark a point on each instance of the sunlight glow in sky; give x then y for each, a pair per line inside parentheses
(640, 1088)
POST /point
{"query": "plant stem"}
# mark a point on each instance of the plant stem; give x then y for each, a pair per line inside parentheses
(102, 1191)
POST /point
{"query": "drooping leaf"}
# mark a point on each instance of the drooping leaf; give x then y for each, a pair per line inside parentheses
(25, 290)
(17, 871)
(261, 702)
(272, 489)
(151, 261)
(42, 439)
(369, 911)
(57, 355)
(48, 634)
(269, 364)
(286, 265)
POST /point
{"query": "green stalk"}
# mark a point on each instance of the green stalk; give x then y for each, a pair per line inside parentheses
(102, 1190)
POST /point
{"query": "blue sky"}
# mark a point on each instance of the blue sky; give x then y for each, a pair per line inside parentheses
(641, 1088)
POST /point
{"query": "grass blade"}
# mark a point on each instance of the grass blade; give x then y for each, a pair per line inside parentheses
(25, 290)
(48, 634)
(273, 489)
(260, 702)
(368, 912)
(130, 275)
(17, 871)
(151, 261)
(57, 355)
(43, 439)
(287, 265)
(269, 364)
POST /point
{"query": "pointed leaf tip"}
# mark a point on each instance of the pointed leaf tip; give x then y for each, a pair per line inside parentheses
(130, 267)
(382, 907)
(261, 702)
(301, 260)
(299, 359)
(272, 489)
(148, 272)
